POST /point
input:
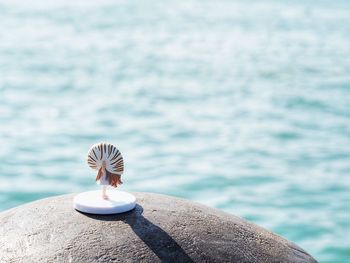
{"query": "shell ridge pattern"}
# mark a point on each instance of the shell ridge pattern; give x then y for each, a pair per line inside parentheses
(106, 152)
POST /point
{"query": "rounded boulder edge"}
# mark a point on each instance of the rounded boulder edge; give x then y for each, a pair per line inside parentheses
(160, 229)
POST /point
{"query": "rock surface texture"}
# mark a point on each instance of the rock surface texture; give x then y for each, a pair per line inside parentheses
(159, 229)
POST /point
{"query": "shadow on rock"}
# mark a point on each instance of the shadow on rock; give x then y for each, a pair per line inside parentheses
(160, 242)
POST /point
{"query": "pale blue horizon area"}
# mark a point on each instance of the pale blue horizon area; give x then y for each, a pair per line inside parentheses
(239, 105)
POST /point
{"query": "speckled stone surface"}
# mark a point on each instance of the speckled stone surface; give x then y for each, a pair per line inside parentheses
(160, 229)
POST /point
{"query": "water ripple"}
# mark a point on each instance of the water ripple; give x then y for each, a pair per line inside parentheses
(242, 106)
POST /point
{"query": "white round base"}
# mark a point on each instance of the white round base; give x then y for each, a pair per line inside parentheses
(92, 202)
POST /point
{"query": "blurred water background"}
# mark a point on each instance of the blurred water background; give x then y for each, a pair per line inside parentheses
(240, 105)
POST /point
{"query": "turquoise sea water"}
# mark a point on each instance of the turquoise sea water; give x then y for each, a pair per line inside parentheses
(240, 105)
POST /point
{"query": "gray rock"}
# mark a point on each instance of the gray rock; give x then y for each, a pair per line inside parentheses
(159, 229)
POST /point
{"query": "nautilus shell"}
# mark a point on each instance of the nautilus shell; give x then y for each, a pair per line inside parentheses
(106, 152)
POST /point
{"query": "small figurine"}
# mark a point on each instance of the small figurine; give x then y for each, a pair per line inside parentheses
(108, 161)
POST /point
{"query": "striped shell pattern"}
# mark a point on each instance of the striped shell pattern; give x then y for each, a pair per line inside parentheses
(106, 152)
